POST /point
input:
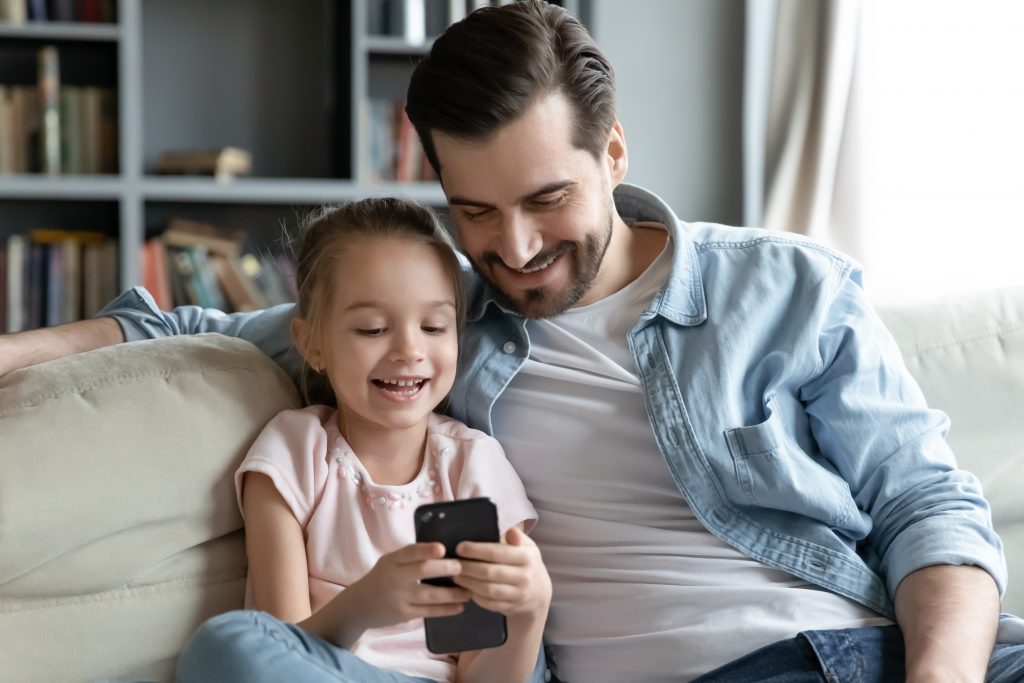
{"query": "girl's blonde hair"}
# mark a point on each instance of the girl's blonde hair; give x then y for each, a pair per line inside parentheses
(326, 233)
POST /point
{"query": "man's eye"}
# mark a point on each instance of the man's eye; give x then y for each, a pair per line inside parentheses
(548, 201)
(477, 215)
(374, 332)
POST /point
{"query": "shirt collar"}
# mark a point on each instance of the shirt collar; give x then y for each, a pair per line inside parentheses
(682, 298)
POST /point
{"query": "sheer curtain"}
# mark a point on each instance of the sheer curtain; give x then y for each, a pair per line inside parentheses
(893, 131)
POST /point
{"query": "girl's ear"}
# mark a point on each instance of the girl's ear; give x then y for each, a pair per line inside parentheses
(302, 335)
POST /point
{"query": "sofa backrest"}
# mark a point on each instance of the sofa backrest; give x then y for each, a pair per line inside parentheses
(119, 532)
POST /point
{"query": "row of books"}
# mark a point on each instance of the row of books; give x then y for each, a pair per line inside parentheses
(87, 131)
(93, 11)
(392, 150)
(54, 129)
(418, 20)
(201, 265)
(50, 277)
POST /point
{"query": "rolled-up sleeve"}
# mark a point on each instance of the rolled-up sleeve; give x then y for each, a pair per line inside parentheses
(872, 423)
(269, 330)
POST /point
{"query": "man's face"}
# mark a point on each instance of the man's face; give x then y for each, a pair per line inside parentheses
(534, 213)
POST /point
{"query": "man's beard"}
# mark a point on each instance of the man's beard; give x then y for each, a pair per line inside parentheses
(543, 302)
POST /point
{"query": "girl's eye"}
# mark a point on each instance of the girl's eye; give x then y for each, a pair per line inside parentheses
(375, 332)
(435, 329)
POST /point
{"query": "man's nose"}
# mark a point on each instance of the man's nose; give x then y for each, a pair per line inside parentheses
(520, 239)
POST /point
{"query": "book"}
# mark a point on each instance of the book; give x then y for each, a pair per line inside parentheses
(3, 287)
(154, 273)
(54, 236)
(71, 132)
(240, 292)
(224, 163)
(49, 103)
(38, 286)
(13, 11)
(186, 233)
(62, 10)
(6, 131)
(16, 250)
(55, 284)
(108, 131)
(37, 10)
(90, 129)
(71, 262)
(19, 127)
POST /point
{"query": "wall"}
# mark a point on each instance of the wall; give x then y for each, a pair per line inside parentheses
(679, 73)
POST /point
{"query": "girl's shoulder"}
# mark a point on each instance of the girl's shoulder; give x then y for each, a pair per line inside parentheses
(457, 439)
(311, 420)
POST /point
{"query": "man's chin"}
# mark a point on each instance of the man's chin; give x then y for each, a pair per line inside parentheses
(538, 303)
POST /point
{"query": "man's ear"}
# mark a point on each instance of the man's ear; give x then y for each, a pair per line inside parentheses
(617, 156)
(302, 335)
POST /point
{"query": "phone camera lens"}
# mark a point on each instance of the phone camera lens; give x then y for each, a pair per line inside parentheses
(426, 516)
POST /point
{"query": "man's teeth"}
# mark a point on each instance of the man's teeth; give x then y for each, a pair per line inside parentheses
(540, 267)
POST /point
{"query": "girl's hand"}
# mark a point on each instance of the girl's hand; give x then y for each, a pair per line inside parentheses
(506, 577)
(391, 592)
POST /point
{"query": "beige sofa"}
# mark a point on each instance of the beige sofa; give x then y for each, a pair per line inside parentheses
(118, 526)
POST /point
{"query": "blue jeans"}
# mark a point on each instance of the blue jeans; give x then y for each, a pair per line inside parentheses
(862, 655)
(250, 647)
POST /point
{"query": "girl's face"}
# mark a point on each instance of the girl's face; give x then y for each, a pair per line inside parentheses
(389, 343)
(390, 346)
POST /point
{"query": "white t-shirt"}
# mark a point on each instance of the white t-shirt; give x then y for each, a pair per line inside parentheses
(349, 520)
(642, 592)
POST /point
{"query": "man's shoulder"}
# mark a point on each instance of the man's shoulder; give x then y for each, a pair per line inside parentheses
(724, 252)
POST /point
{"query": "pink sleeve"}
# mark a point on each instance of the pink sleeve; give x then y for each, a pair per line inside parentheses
(487, 472)
(292, 451)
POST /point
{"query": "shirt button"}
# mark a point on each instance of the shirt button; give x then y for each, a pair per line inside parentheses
(547, 674)
(509, 347)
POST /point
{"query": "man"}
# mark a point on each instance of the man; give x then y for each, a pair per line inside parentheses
(721, 440)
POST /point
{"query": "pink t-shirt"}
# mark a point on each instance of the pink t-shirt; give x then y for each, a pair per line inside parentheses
(349, 521)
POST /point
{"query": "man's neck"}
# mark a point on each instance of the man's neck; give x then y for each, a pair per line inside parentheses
(631, 251)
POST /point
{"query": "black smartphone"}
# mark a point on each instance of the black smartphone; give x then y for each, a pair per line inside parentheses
(472, 519)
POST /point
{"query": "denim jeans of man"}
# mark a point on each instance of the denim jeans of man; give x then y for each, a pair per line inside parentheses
(855, 655)
(252, 646)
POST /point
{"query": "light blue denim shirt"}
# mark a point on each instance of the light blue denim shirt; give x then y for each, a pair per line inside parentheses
(779, 401)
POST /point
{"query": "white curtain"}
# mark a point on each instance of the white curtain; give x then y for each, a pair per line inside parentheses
(800, 120)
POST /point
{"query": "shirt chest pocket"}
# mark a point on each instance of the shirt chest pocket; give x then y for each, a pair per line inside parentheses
(772, 471)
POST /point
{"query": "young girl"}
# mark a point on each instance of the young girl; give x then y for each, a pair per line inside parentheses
(328, 494)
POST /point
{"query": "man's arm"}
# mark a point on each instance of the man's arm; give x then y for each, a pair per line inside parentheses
(949, 616)
(135, 316)
(22, 349)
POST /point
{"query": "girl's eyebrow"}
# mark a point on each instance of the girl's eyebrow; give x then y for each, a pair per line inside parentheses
(377, 304)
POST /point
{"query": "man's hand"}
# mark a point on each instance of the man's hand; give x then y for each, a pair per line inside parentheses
(949, 616)
(509, 578)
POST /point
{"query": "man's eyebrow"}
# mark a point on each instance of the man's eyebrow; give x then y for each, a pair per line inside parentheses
(456, 200)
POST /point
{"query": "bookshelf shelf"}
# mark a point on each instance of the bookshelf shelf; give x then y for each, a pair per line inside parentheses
(52, 30)
(41, 187)
(394, 45)
(279, 190)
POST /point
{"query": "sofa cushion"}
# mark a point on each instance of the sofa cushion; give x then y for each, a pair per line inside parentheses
(119, 532)
(967, 353)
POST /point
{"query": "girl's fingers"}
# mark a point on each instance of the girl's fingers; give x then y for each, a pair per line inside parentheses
(418, 552)
(498, 553)
(488, 590)
(443, 610)
(494, 573)
(439, 595)
(431, 569)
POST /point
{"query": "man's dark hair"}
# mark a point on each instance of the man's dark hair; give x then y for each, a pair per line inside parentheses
(489, 68)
